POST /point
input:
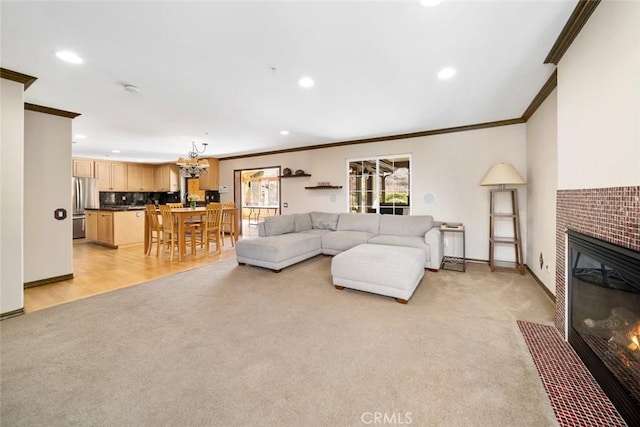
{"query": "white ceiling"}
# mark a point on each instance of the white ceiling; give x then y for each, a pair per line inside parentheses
(226, 73)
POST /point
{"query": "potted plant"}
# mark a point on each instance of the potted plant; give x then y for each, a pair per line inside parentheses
(193, 198)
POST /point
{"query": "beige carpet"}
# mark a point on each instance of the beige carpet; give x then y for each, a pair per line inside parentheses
(228, 345)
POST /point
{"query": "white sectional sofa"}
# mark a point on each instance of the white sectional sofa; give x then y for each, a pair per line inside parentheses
(288, 239)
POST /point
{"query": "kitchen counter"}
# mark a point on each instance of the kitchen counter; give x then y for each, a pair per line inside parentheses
(116, 225)
(117, 208)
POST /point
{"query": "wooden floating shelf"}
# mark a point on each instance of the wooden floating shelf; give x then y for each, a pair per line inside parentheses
(322, 187)
(295, 176)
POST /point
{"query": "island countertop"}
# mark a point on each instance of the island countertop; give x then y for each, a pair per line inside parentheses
(115, 227)
(117, 208)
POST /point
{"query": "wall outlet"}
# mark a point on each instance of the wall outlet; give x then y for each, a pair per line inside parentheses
(285, 205)
(446, 243)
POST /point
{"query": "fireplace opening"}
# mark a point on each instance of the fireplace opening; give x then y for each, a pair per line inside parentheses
(604, 317)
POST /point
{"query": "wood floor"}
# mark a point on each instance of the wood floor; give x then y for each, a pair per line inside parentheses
(98, 269)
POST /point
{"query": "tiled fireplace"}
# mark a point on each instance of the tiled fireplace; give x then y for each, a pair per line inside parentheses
(598, 307)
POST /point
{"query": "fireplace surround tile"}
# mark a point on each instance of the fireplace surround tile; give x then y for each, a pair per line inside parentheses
(608, 214)
(575, 396)
(611, 214)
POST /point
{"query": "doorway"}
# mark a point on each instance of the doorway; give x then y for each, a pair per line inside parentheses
(258, 191)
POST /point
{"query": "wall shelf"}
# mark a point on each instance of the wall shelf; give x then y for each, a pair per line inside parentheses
(295, 176)
(323, 187)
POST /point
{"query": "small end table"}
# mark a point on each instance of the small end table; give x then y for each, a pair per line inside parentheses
(453, 263)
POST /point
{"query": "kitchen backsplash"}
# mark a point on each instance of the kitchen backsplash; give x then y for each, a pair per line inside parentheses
(136, 198)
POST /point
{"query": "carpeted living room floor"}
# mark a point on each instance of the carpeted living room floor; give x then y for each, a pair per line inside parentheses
(230, 345)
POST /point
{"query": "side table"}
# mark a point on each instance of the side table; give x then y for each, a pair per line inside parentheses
(453, 263)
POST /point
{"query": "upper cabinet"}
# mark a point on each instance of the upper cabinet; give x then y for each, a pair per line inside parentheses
(111, 176)
(140, 177)
(209, 181)
(167, 178)
(148, 178)
(83, 168)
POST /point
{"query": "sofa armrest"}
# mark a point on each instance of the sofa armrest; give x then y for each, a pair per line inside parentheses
(433, 239)
(262, 231)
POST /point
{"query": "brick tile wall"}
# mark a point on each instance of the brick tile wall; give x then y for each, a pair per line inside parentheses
(610, 214)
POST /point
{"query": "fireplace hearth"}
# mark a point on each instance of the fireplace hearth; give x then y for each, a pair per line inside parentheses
(603, 313)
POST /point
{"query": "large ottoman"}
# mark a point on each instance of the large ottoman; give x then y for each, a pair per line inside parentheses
(393, 271)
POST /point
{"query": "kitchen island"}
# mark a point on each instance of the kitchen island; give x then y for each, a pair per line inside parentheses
(115, 226)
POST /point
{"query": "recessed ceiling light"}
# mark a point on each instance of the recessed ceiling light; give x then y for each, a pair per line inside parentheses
(67, 55)
(115, 151)
(430, 3)
(284, 132)
(80, 136)
(446, 73)
(306, 82)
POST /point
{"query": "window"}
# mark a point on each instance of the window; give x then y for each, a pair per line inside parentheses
(261, 187)
(380, 185)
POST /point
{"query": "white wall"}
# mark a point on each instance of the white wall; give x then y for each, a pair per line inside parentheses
(11, 186)
(542, 183)
(48, 244)
(599, 101)
(450, 166)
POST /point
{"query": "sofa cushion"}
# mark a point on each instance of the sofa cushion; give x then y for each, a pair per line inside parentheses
(406, 225)
(395, 240)
(317, 231)
(359, 222)
(324, 220)
(279, 224)
(303, 222)
(339, 241)
(278, 248)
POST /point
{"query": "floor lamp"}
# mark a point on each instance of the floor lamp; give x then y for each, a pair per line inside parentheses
(500, 175)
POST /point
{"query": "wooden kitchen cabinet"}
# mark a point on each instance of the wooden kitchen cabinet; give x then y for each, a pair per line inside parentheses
(128, 227)
(210, 181)
(119, 176)
(167, 178)
(111, 176)
(148, 180)
(91, 225)
(105, 227)
(115, 228)
(83, 168)
(134, 177)
(140, 177)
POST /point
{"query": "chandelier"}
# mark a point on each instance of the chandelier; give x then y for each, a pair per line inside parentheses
(194, 166)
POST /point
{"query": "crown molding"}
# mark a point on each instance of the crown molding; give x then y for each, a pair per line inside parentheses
(383, 138)
(49, 110)
(571, 29)
(15, 76)
(544, 92)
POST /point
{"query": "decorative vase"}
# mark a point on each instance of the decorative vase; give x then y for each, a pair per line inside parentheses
(193, 204)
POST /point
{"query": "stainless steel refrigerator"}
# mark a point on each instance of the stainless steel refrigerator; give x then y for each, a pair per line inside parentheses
(84, 194)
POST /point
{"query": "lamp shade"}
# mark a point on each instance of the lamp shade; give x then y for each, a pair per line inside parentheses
(502, 174)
